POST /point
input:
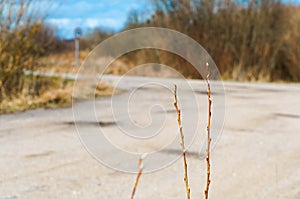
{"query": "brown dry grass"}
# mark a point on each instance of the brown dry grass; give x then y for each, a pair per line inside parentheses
(64, 63)
(52, 98)
(58, 95)
(61, 62)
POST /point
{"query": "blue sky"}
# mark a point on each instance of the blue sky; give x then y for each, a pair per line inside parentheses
(65, 15)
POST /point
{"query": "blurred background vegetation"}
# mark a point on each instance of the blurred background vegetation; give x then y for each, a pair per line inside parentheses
(255, 40)
(248, 40)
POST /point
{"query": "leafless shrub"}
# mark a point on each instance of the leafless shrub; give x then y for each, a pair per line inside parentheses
(249, 40)
(23, 39)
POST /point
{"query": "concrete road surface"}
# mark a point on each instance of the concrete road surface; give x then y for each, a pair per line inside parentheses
(257, 156)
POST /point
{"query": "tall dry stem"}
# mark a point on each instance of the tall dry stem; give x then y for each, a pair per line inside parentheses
(186, 180)
(208, 180)
(140, 171)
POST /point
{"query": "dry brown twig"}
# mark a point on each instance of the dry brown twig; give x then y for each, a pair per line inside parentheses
(208, 180)
(140, 171)
(188, 191)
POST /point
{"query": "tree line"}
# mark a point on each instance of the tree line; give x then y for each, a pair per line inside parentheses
(249, 40)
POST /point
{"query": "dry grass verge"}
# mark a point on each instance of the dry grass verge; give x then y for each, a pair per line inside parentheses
(61, 62)
(57, 95)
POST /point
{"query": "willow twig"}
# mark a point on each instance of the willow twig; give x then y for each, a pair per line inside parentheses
(208, 180)
(188, 191)
(140, 171)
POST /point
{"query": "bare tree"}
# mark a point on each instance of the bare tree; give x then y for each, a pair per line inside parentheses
(23, 39)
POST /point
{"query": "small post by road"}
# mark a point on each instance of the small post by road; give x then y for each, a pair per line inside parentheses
(77, 34)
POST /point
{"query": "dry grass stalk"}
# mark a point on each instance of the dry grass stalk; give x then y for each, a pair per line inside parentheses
(208, 180)
(188, 191)
(140, 171)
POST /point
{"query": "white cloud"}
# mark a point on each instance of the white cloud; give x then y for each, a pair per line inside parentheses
(91, 22)
(62, 22)
(112, 22)
(66, 26)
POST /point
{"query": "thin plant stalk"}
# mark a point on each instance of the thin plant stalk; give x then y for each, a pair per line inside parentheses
(186, 180)
(208, 179)
(139, 174)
